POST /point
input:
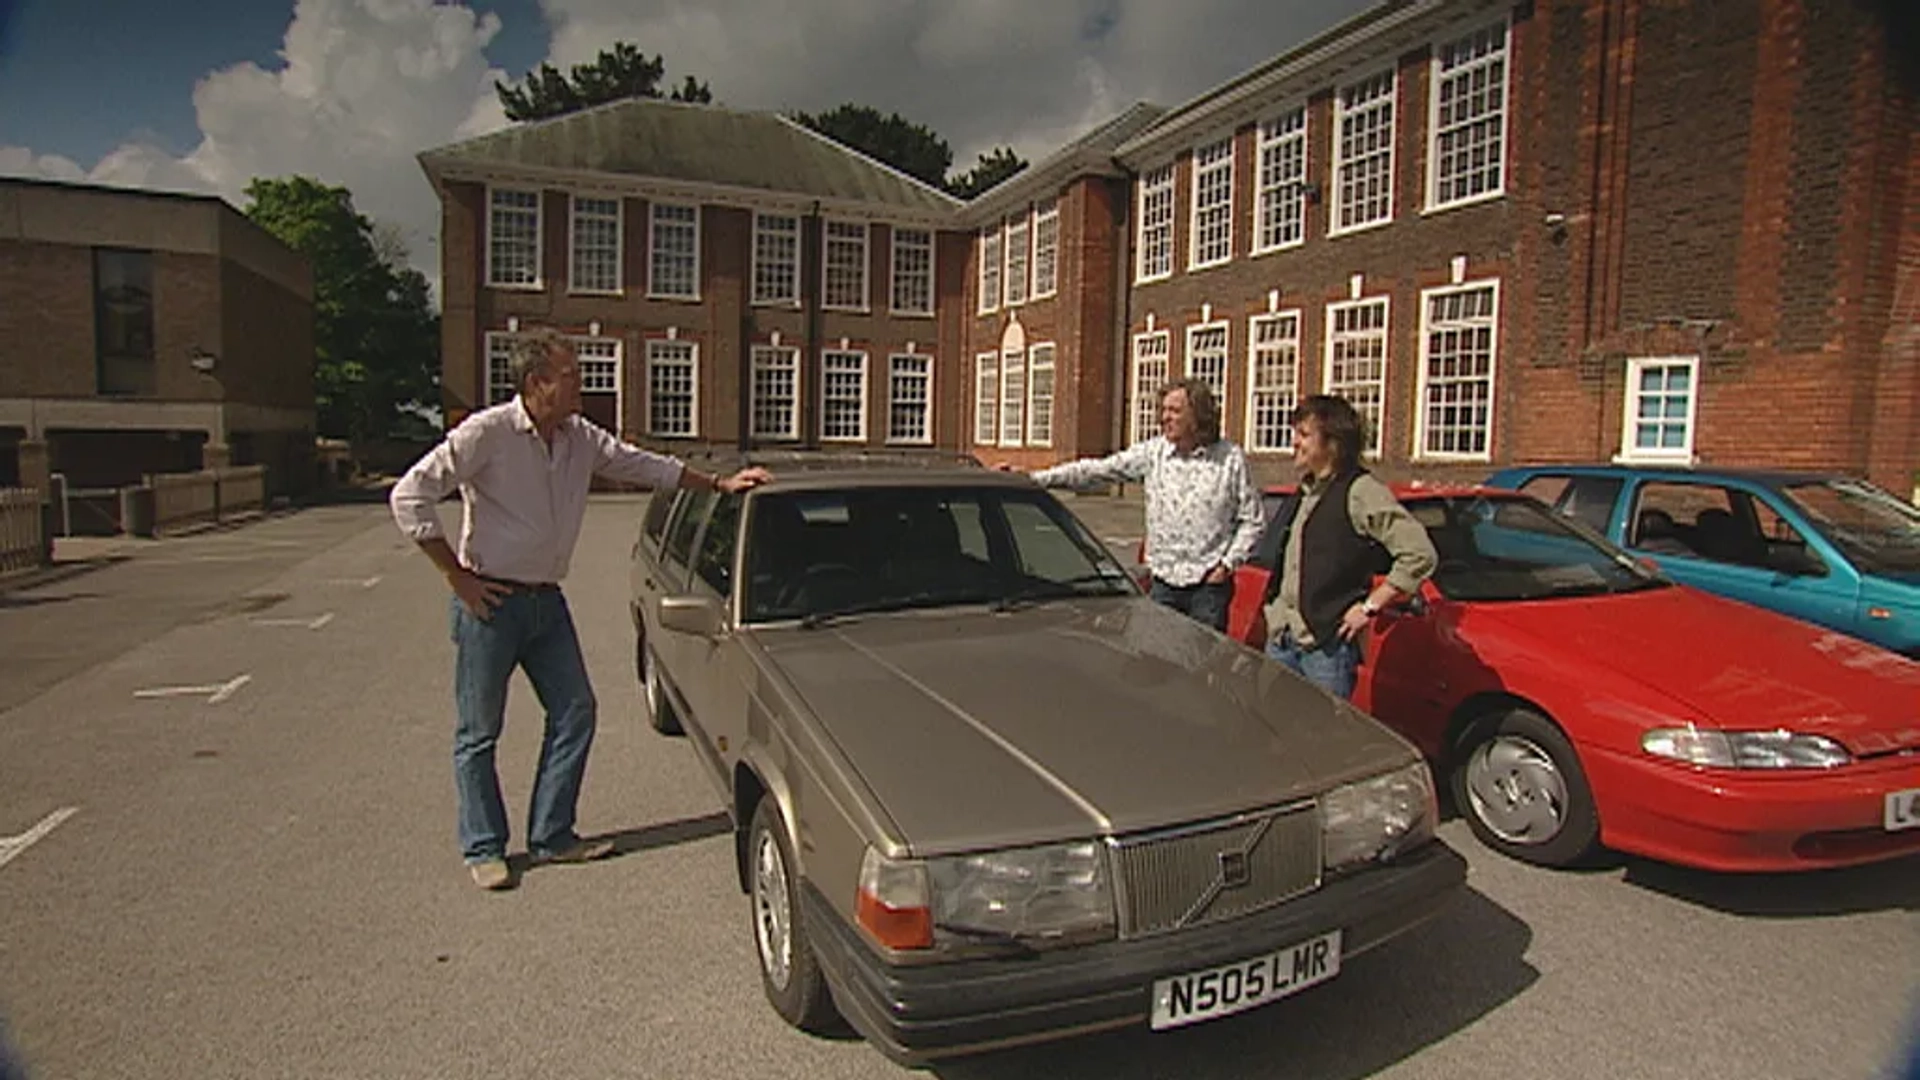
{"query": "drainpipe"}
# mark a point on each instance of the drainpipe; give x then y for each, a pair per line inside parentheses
(745, 385)
(1122, 312)
(811, 238)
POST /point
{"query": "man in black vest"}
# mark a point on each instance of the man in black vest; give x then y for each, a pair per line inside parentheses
(1342, 529)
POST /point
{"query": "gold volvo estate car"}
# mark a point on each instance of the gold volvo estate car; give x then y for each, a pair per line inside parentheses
(986, 792)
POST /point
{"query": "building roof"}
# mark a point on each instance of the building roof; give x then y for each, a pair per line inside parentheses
(1090, 154)
(697, 144)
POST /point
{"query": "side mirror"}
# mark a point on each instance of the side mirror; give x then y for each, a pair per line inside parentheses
(699, 616)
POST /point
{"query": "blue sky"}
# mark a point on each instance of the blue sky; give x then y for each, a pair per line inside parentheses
(80, 77)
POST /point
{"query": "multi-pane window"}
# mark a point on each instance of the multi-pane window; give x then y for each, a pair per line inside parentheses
(1156, 224)
(1040, 395)
(776, 392)
(1468, 144)
(676, 252)
(1662, 399)
(673, 389)
(1212, 204)
(843, 396)
(776, 259)
(913, 271)
(990, 271)
(500, 368)
(1013, 396)
(1280, 206)
(910, 398)
(1456, 371)
(1273, 380)
(599, 360)
(1363, 153)
(1152, 354)
(1017, 268)
(986, 398)
(513, 238)
(1207, 357)
(845, 256)
(1357, 360)
(1046, 250)
(124, 353)
(596, 246)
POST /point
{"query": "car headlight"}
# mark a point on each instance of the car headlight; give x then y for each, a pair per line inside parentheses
(1034, 897)
(1780, 749)
(1378, 818)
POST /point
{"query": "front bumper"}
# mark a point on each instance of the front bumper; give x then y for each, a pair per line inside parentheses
(920, 1013)
(1724, 820)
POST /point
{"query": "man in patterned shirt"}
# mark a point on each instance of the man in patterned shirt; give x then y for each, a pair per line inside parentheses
(1203, 512)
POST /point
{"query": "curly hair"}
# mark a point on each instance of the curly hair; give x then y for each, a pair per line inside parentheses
(1206, 407)
(532, 351)
(1340, 424)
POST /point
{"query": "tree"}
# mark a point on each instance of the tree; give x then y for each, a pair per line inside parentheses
(993, 168)
(616, 75)
(376, 337)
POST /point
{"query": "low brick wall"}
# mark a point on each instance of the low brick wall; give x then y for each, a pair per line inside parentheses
(240, 490)
(182, 500)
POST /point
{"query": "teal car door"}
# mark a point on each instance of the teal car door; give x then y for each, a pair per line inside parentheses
(1723, 538)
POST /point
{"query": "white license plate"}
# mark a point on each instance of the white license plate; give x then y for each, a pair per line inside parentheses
(1903, 810)
(1237, 987)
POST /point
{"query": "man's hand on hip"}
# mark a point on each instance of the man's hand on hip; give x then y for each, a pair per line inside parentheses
(1219, 575)
(1354, 622)
(478, 594)
(750, 477)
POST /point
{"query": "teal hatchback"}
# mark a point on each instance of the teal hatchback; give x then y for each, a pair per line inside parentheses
(1830, 549)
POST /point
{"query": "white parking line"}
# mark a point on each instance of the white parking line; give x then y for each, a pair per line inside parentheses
(311, 624)
(12, 846)
(217, 693)
(363, 583)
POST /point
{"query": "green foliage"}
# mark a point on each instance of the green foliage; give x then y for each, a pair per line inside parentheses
(616, 75)
(993, 168)
(912, 148)
(376, 336)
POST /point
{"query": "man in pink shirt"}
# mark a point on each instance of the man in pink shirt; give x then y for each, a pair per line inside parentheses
(523, 469)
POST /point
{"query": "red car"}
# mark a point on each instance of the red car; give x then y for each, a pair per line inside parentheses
(1573, 699)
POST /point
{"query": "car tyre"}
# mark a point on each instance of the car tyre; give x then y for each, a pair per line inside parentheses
(1518, 782)
(654, 696)
(789, 971)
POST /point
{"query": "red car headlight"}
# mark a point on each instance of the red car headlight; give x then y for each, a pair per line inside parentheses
(1778, 749)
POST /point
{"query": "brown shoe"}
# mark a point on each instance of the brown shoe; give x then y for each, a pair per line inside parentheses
(581, 851)
(491, 874)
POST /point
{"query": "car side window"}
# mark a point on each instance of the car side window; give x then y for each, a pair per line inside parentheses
(714, 565)
(654, 524)
(1547, 487)
(1587, 499)
(686, 526)
(1705, 521)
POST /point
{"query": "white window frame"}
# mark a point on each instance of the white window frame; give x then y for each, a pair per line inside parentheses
(1340, 110)
(1225, 329)
(1630, 408)
(489, 384)
(574, 216)
(989, 247)
(1046, 220)
(1503, 55)
(826, 383)
(1143, 418)
(1378, 423)
(1222, 213)
(1274, 185)
(827, 243)
(653, 250)
(986, 399)
(1422, 379)
(926, 399)
(604, 353)
(539, 281)
(1018, 276)
(655, 345)
(1153, 183)
(1013, 397)
(792, 264)
(1290, 394)
(1036, 436)
(894, 273)
(771, 358)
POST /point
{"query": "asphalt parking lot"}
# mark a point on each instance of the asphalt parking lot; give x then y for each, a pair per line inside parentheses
(226, 850)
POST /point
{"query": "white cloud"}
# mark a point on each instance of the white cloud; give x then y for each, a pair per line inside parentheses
(365, 86)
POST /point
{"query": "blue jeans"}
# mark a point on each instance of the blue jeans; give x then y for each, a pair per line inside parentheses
(1203, 603)
(532, 630)
(1333, 668)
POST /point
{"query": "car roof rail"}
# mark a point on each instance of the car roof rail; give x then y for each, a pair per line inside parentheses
(822, 458)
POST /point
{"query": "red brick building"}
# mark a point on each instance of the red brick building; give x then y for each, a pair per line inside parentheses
(143, 332)
(1673, 231)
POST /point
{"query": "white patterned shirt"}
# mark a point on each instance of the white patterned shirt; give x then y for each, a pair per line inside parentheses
(1202, 508)
(524, 500)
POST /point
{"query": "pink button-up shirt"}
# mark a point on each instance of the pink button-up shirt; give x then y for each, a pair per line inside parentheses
(524, 500)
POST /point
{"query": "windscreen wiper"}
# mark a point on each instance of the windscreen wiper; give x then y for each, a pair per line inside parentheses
(1051, 590)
